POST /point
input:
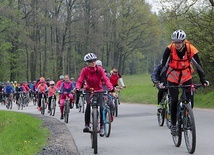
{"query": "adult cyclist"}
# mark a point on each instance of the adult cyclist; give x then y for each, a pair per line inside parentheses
(156, 79)
(177, 69)
(94, 76)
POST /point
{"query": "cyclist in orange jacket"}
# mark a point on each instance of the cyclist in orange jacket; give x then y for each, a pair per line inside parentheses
(177, 69)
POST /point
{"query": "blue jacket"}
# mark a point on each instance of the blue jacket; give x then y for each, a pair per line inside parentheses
(9, 89)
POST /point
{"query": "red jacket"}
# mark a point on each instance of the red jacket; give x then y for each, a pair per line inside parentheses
(93, 77)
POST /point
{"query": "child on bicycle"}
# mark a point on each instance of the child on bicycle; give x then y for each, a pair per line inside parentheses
(19, 89)
(51, 92)
(41, 89)
(66, 89)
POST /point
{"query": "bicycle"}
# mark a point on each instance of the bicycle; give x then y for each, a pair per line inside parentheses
(185, 121)
(115, 99)
(53, 106)
(94, 123)
(81, 102)
(9, 103)
(43, 106)
(34, 98)
(20, 101)
(164, 112)
(106, 117)
(66, 109)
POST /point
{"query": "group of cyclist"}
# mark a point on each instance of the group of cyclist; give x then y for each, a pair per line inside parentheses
(93, 76)
(175, 69)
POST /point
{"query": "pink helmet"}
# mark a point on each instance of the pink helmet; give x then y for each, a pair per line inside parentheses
(52, 82)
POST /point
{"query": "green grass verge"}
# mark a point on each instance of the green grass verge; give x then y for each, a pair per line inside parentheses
(21, 134)
(140, 90)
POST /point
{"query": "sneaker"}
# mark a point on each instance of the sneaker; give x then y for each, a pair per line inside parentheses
(86, 129)
(101, 131)
(61, 117)
(173, 130)
(112, 118)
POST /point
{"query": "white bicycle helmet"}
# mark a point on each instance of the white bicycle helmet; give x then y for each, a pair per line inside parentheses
(90, 56)
(178, 35)
(52, 82)
(61, 77)
(99, 63)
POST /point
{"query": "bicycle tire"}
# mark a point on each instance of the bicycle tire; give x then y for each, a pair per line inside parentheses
(189, 129)
(116, 107)
(168, 121)
(178, 138)
(94, 132)
(80, 104)
(42, 106)
(66, 111)
(11, 104)
(107, 122)
(34, 101)
(161, 117)
(21, 103)
(53, 107)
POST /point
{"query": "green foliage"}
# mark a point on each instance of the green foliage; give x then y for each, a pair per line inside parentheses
(21, 134)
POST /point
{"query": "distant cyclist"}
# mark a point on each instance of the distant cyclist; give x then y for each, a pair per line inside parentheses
(51, 92)
(66, 89)
(42, 88)
(8, 90)
(19, 89)
(115, 77)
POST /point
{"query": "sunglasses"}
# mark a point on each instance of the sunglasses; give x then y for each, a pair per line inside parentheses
(115, 72)
(90, 61)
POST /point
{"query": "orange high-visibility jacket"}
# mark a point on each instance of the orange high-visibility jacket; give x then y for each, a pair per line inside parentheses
(179, 70)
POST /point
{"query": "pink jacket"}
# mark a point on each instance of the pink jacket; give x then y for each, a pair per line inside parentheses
(51, 91)
(94, 76)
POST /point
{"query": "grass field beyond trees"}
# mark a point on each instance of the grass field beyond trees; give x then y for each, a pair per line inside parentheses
(140, 90)
(21, 134)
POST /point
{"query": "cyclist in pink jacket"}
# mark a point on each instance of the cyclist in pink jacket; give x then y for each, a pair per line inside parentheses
(66, 89)
(94, 76)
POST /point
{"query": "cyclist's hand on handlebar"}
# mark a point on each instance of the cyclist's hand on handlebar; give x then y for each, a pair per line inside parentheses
(205, 82)
(161, 85)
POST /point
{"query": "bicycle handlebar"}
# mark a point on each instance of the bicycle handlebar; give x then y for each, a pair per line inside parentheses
(185, 86)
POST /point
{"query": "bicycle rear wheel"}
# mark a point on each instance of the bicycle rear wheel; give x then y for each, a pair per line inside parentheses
(94, 131)
(107, 121)
(189, 129)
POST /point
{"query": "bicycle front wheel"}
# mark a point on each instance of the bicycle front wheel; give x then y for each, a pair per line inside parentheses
(42, 106)
(189, 129)
(66, 112)
(161, 116)
(116, 106)
(177, 138)
(107, 121)
(94, 132)
(53, 107)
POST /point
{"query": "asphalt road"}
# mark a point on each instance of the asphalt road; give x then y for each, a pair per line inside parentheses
(136, 132)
